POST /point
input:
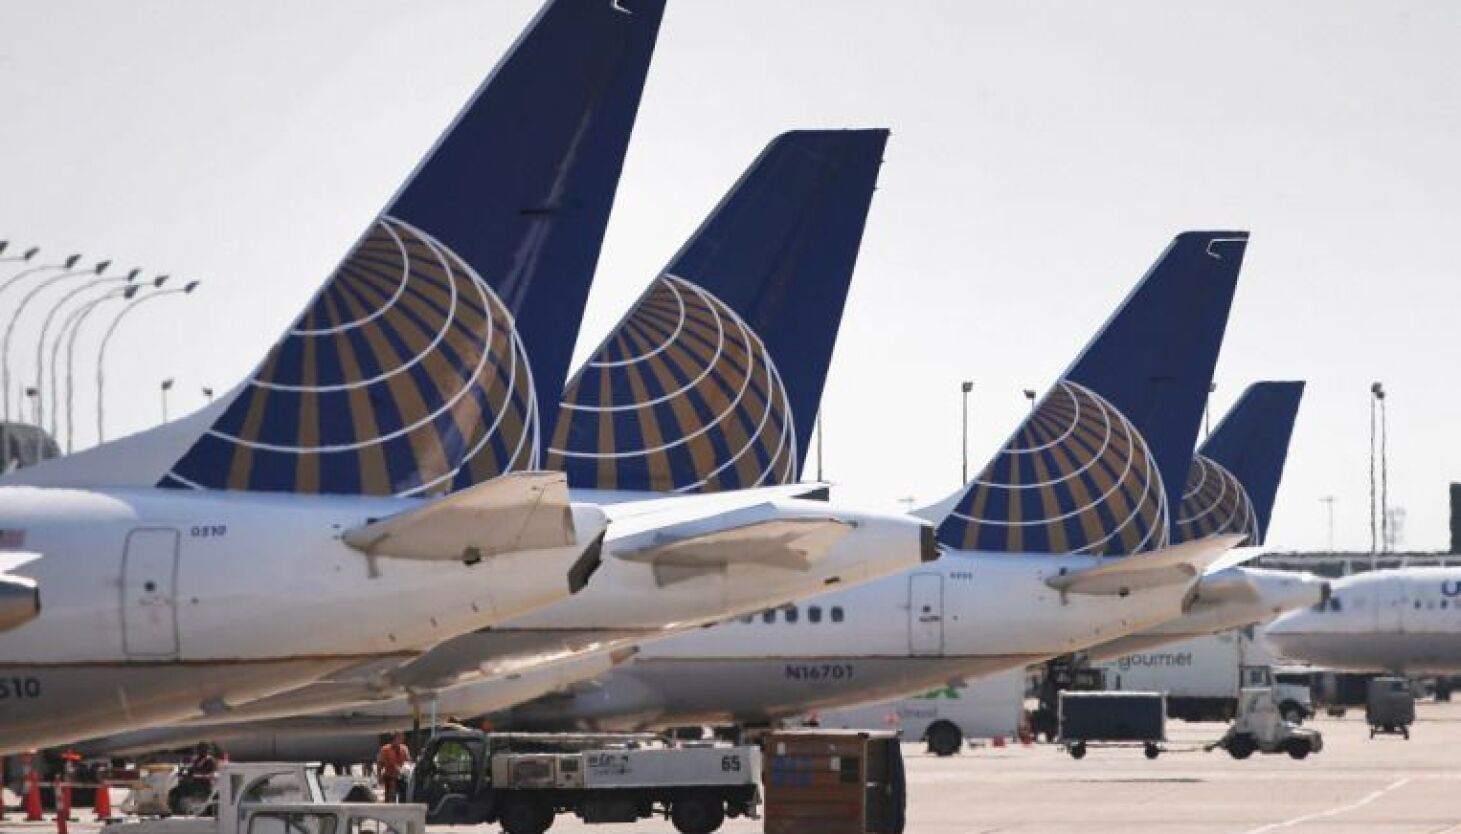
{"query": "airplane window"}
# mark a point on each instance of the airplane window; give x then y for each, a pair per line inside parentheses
(792, 614)
(768, 616)
(836, 613)
(814, 613)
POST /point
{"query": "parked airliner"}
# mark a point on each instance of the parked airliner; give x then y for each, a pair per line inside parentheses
(1060, 543)
(1231, 487)
(715, 323)
(406, 377)
(1406, 621)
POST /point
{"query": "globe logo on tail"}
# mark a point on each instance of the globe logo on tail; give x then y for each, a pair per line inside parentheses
(1213, 502)
(405, 376)
(682, 397)
(1076, 478)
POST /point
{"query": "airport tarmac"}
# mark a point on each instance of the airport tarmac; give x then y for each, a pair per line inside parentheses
(1356, 785)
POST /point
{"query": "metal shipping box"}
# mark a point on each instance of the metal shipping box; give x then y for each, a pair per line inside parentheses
(1113, 716)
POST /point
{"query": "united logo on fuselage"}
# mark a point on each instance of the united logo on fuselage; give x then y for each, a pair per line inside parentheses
(1076, 478)
(1214, 501)
(682, 397)
(405, 376)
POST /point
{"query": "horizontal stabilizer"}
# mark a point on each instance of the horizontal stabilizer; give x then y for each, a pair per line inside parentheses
(20, 599)
(521, 511)
(12, 559)
(790, 543)
(1169, 566)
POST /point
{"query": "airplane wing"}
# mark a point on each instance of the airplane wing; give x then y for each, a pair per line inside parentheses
(20, 600)
(1168, 566)
(521, 511)
(679, 554)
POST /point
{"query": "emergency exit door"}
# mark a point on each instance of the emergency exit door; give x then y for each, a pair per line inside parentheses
(926, 613)
(149, 594)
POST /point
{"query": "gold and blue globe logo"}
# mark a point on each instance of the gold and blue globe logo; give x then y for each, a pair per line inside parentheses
(405, 376)
(1213, 502)
(1076, 478)
(682, 397)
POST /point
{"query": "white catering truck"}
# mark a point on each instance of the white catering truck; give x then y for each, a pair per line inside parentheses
(1204, 676)
(944, 718)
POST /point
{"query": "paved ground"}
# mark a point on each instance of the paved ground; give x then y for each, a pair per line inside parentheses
(1356, 785)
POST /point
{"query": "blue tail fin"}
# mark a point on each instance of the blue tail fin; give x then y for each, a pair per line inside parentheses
(1235, 475)
(412, 370)
(1101, 460)
(712, 380)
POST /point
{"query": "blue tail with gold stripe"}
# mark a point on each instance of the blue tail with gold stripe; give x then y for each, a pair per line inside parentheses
(1102, 458)
(412, 371)
(713, 379)
(1234, 477)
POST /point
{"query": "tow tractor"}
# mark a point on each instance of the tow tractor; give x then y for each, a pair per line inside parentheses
(279, 798)
(524, 780)
(1260, 727)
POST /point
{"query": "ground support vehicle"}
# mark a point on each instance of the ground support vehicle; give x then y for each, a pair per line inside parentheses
(1260, 728)
(280, 798)
(1390, 706)
(523, 780)
(1112, 719)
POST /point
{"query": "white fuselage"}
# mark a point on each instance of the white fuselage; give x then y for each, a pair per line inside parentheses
(625, 604)
(965, 615)
(161, 605)
(1227, 599)
(1405, 621)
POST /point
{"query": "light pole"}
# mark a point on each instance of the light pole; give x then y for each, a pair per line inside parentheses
(70, 329)
(1377, 392)
(106, 339)
(1328, 502)
(166, 387)
(46, 327)
(965, 387)
(208, 395)
(1385, 531)
(4, 351)
(1030, 395)
(819, 436)
(25, 301)
(33, 395)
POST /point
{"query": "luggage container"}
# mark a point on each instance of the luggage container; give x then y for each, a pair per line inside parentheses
(1112, 719)
(833, 782)
(1390, 706)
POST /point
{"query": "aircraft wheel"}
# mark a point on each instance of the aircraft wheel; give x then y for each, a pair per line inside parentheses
(1151, 751)
(1078, 750)
(1298, 749)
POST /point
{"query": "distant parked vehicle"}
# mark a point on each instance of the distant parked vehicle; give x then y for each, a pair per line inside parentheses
(1390, 706)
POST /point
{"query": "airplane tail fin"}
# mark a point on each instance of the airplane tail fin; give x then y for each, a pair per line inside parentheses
(712, 380)
(1098, 464)
(412, 371)
(1235, 475)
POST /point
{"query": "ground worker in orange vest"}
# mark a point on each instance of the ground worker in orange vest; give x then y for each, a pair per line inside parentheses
(393, 758)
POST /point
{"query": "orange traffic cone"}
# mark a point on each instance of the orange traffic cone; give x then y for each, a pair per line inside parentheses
(102, 807)
(33, 797)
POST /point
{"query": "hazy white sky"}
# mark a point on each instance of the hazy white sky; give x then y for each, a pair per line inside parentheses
(1042, 155)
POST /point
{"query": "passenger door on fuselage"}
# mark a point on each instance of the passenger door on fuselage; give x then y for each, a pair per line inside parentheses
(926, 613)
(149, 594)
